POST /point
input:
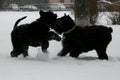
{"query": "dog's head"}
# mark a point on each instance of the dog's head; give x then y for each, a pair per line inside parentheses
(54, 36)
(64, 24)
(49, 18)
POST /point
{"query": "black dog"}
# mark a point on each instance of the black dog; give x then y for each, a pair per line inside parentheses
(34, 34)
(77, 40)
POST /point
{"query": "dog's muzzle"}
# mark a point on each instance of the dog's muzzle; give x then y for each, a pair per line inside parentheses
(57, 38)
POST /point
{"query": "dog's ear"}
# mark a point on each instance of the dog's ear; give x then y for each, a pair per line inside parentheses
(50, 11)
(41, 12)
(55, 15)
(68, 15)
(65, 14)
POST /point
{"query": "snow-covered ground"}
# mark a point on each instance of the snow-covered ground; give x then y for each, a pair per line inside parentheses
(39, 67)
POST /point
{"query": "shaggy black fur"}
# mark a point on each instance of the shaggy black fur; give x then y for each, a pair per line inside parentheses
(77, 40)
(34, 34)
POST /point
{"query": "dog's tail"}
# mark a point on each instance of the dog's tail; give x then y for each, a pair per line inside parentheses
(16, 23)
(110, 29)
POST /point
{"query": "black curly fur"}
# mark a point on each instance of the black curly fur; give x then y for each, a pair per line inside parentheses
(34, 34)
(78, 40)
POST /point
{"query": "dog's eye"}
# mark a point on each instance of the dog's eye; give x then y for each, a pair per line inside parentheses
(59, 22)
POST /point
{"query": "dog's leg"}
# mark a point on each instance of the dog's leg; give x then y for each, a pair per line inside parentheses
(102, 53)
(14, 53)
(64, 51)
(74, 53)
(25, 51)
(44, 46)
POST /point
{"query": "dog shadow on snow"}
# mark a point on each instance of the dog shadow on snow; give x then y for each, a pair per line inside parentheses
(87, 58)
(93, 58)
(45, 58)
(56, 58)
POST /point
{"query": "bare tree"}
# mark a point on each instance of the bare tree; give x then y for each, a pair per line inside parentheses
(93, 11)
(0, 4)
(85, 11)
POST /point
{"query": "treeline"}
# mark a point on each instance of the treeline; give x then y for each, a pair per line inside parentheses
(5, 3)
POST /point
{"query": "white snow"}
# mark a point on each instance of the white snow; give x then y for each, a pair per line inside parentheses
(51, 67)
(105, 1)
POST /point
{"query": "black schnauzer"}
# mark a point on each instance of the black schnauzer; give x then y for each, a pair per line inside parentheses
(77, 40)
(34, 34)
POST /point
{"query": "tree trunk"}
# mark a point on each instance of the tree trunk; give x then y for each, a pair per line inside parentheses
(82, 12)
(0, 4)
(93, 11)
(85, 12)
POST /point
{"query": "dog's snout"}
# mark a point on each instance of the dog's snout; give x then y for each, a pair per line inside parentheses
(59, 39)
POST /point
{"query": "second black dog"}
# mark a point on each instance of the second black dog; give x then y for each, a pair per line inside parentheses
(77, 40)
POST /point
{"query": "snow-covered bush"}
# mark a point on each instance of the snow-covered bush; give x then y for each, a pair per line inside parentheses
(115, 17)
